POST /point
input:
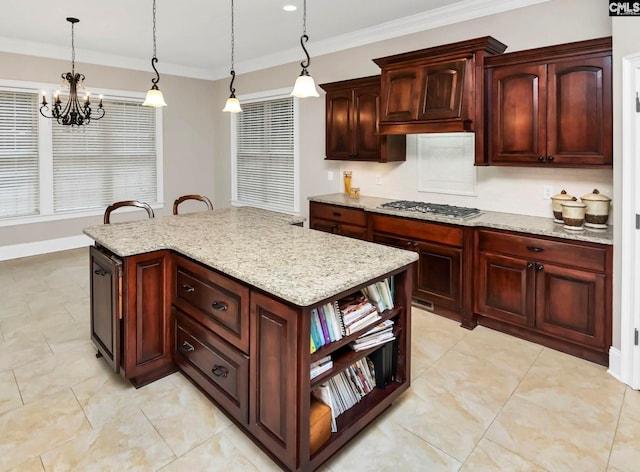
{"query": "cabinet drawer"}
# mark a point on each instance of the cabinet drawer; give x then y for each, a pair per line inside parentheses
(351, 231)
(221, 370)
(413, 229)
(217, 302)
(340, 214)
(531, 248)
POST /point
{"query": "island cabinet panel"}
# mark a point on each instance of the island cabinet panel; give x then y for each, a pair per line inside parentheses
(551, 106)
(273, 380)
(147, 327)
(556, 293)
(335, 219)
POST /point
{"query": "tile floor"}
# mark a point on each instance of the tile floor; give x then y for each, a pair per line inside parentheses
(479, 401)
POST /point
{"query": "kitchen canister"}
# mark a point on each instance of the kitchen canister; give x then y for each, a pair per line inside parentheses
(556, 205)
(597, 211)
(573, 213)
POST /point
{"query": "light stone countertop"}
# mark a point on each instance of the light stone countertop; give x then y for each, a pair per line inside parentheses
(260, 248)
(487, 219)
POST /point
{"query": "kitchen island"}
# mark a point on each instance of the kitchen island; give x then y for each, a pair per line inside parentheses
(226, 297)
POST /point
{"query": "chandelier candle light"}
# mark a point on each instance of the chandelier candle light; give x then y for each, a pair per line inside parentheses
(154, 95)
(233, 104)
(304, 86)
(73, 113)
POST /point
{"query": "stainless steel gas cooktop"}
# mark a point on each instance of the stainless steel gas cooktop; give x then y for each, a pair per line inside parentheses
(438, 209)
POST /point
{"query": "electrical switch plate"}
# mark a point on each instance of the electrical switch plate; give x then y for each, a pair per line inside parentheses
(547, 192)
(330, 175)
(378, 180)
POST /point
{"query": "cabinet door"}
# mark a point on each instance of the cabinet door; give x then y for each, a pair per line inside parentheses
(339, 141)
(439, 275)
(517, 111)
(441, 91)
(579, 123)
(273, 376)
(571, 304)
(106, 309)
(505, 288)
(147, 329)
(401, 94)
(367, 142)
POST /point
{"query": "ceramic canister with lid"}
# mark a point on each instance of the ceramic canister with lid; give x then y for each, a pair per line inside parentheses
(573, 214)
(556, 205)
(597, 211)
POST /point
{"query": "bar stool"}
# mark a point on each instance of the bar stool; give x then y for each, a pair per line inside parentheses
(183, 198)
(132, 203)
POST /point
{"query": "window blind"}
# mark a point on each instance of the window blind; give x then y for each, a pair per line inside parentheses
(106, 161)
(19, 169)
(265, 154)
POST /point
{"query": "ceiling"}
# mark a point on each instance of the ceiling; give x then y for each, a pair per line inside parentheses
(193, 36)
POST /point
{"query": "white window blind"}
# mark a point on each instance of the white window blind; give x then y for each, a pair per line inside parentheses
(265, 164)
(108, 160)
(19, 174)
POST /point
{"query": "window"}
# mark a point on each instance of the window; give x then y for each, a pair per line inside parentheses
(264, 153)
(50, 171)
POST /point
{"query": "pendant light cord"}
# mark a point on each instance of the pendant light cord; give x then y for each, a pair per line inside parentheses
(303, 39)
(73, 52)
(233, 43)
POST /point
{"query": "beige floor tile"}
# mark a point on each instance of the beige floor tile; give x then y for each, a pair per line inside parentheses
(452, 418)
(13, 306)
(104, 398)
(31, 430)
(248, 449)
(631, 404)
(564, 383)
(217, 454)
(489, 457)
(79, 308)
(625, 454)
(128, 443)
(557, 441)
(33, 465)
(23, 350)
(41, 320)
(68, 336)
(184, 418)
(9, 393)
(385, 446)
(58, 372)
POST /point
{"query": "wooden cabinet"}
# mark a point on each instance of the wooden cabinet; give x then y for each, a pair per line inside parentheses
(436, 89)
(352, 123)
(440, 272)
(557, 293)
(551, 106)
(344, 221)
(130, 313)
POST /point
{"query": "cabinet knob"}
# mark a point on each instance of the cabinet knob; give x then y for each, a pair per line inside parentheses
(188, 288)
(220, 306)
(535, 248)
(539, 267)
(541, 158)
(550, 158)
(529, 265)
(219, 371)
(186, 347)
(337, 214)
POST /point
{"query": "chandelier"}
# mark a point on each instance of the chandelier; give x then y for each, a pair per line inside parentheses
(74, 113)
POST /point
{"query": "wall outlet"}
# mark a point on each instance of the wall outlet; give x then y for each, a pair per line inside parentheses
(378, 180)
(547, 192)
(330, 175)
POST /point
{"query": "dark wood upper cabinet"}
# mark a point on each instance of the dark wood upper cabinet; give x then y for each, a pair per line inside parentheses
(550, 106)
(352, 123)
(435, 89)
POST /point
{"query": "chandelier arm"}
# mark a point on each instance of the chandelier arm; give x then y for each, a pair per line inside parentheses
(155, 81)
(303, 39)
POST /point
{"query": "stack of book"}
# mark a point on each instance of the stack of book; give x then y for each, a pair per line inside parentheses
(326, 326)
(321, 366)
(379, 334)
(347, 388)
(380, 294)
(357, 312)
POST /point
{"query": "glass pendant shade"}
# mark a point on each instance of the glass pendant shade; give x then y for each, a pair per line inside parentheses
(304, 87)
(232, 105)
(154, 99)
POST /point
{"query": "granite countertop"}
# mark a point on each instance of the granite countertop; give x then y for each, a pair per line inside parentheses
(260, 248)
(487, 219)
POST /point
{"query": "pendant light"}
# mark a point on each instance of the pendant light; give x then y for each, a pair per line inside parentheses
(233, 104)
(73, 114)
(304, 86)
(154, 95)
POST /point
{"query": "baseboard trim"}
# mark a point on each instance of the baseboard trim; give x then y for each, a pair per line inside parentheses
(16, 251)
(615, 364)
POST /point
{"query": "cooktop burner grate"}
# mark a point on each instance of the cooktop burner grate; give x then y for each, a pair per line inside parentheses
(438, 209)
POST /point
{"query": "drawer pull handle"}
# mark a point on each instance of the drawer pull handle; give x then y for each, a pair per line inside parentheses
(100, 271)
(337, 214)
(219, 371)
(529, 265)
(535, 248)
(186, 347)
(188, 288)
(220, 306)
(539, 267)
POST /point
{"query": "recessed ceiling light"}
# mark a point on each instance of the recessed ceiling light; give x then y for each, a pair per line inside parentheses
(289, 8)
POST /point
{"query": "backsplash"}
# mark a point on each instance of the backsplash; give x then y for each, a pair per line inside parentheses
(516, 190)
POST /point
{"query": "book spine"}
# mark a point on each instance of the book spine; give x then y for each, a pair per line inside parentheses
(323, 324)
(339, 318)
(315, 324)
